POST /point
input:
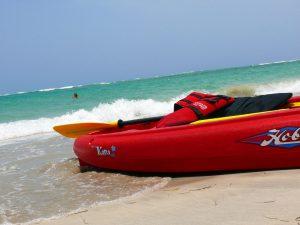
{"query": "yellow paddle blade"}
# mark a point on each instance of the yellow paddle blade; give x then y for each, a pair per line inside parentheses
(77, 129)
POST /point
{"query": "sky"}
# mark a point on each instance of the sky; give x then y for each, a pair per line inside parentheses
(48, 43)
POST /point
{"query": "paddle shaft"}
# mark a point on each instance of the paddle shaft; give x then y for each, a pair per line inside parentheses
(122, 123)
(77, 129)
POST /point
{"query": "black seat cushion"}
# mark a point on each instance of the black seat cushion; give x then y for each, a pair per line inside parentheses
(244, 105)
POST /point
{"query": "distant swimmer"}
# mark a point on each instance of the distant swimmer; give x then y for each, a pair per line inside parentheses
(75, 96)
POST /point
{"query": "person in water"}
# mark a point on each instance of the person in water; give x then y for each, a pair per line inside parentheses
(75, 95)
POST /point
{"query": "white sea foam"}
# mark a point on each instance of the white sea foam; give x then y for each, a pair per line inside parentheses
(60, 88)
(283, 86)
(47, 89)
(122, 108)
(66, 87)
(278, 62)
(42, 90)
(148, 189)
(292, 86)
(104, 83)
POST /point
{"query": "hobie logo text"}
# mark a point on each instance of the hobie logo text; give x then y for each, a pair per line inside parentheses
(286, 137)
(282, 137)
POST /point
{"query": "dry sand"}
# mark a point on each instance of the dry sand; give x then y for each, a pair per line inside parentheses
(267, 198)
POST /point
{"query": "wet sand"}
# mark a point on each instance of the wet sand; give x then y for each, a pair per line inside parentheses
(270, 197)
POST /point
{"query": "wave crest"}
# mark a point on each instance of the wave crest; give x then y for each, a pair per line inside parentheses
(292, 86)
(283, 86)
(122, 108)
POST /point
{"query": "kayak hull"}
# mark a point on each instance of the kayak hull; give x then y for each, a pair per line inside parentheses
(269, 140)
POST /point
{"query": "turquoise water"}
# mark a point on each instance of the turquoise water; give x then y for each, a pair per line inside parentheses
(51, 103)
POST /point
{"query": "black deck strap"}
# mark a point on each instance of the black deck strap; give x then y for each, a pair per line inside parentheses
(216, 98)
(211, 100)
(196, 95)
(178, 106)
(186, 100)
(199, 115)
(224, 97)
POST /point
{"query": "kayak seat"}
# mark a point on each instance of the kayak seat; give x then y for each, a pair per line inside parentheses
(261, 103)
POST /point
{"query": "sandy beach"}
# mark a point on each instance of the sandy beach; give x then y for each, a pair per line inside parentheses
(270, 197)
(96, 95)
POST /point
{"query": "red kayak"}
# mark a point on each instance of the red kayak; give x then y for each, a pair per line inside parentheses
(265, 140)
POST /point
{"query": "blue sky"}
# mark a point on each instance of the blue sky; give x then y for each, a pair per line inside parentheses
(46, 43)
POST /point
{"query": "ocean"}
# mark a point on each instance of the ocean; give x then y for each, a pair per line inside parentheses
(39, 174)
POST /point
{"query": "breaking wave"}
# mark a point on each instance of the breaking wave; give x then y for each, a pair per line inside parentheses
(283, 86)
(277, 62)
(43, 90)
(292, 86)
(122, 108)
(60, 88)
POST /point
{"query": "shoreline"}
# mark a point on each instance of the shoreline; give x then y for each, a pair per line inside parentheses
(267, 197)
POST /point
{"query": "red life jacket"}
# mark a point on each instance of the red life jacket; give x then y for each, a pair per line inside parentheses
(194, 107)
(188, 100)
